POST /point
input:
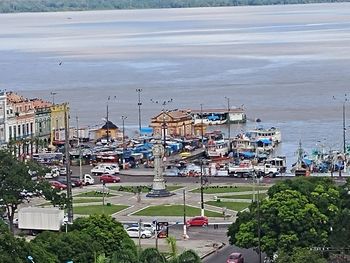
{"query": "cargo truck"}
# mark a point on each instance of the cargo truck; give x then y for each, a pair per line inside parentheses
(40, 218)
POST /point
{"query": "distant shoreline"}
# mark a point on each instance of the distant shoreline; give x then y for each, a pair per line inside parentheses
(24, 6)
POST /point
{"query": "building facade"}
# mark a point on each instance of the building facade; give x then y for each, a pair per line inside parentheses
(20, 130)
(57, 123)
(177, 123)
(42, 122)
(3, 118)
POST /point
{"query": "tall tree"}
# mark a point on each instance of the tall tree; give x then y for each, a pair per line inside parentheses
(15, 178)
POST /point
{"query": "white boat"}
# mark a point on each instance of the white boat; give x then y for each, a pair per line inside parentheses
(272, 134)
(217, 148)
(218, 116)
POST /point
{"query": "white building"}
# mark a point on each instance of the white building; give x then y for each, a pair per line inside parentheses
(3, 118)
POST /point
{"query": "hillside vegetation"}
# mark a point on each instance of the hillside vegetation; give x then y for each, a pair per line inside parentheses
(10, 6)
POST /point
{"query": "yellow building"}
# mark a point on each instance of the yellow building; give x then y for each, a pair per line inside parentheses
(177, 123)
(108, 128)
(57, 123)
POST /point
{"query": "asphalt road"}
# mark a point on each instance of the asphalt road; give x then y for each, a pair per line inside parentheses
(221, 255)
(171, 179)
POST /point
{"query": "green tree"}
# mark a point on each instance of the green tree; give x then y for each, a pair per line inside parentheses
(106, 231)
(16, 250)
(189, 256)
(300, 255)
(287, 219)
(151, 255)
(14, 178)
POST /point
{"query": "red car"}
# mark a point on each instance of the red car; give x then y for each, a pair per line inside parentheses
(107, 178)
(197, 221)
(235, 258)
(58, 185)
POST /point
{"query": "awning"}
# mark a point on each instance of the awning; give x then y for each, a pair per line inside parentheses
(264, 140)
(247, 154)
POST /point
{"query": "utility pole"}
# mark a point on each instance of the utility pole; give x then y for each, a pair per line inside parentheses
(163, 103)
(69, 183)
(107, 120)
(201, 160)
(228, 122)
(259, 225)
(185, 236)
(344, 131)
(79, 147)
(123, 120)
(139, 104)
(53, 96)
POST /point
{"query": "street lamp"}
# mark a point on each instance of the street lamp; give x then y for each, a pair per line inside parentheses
(163, 103)
(53, 96)
(344, 100)
(139, 104)
(228, 122)
(107, 117)
(201, 163)
(123, 120)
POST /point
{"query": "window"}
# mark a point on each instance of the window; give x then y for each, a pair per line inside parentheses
(10, 132)
(31, 128)
(14, 132)
(19, 130)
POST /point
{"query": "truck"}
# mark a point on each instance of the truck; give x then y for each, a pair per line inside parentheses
(246, 169)
(40, 218)
(105, 169)
(87, 179)
(266, 170)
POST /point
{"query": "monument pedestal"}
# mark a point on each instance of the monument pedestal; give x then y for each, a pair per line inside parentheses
(158, 187)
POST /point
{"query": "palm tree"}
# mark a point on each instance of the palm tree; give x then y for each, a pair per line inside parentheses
(101, 259)
(172, 246)
(189, 256)
(151, 255)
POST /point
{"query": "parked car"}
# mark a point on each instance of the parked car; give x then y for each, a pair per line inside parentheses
(134, 232)
(149, 226)
(58, 185)
(107, 178)
(74, 182)
(197, 221)
(235, 258)
(63, 171)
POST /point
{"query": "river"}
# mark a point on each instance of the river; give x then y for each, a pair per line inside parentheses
(284, 64)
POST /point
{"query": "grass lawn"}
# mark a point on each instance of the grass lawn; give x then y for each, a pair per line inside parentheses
(227, 189)
(174, 210)
(92, 194)
(229, 205)
(144, 189)
(248, 196)
(86, 200)
(98, 209)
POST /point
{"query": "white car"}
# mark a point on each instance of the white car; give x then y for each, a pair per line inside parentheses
(149, 226)
(134, 232)
(102, 169)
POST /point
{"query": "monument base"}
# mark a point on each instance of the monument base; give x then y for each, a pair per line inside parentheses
(159, 193)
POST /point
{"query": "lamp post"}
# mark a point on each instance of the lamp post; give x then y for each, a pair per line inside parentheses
(163, 103)
(228, 122)
(53, 96)
(123, 121)
(79, 147)
(259, 223)
(344, 100)
(185, 236)
(201, 163)
(107, 117)
(139, 104)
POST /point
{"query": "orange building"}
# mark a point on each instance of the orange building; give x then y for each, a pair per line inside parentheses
(177, 123)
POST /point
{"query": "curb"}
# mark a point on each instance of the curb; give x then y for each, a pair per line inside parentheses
(213, 251)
